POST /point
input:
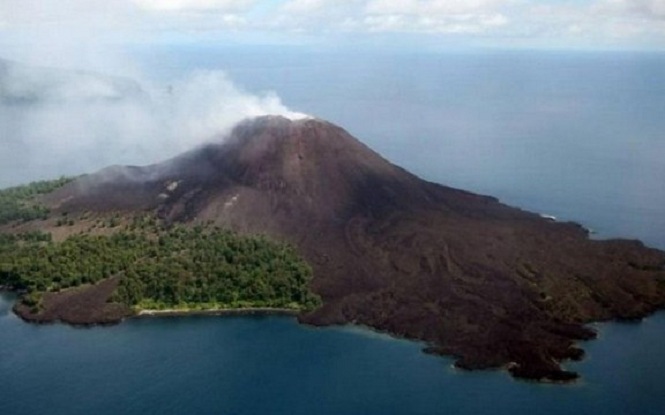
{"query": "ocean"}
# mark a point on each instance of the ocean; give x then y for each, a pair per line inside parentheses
(580, 136)
(273, 365)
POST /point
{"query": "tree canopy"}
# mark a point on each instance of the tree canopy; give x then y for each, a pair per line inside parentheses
(18, 203)
(160, 267)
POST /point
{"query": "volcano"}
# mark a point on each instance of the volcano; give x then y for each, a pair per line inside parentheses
(492, 285)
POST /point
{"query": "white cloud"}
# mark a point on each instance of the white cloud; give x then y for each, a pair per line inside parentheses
(437, 16)
(401, 16)
(650, 9)
(25, 13)
(433, 7)
(315, 15)
(195, 5)
(307, 6)
(502, 22)
(603, 23)
(455, 24)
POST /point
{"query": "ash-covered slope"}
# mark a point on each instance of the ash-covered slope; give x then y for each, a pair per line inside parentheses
(490, 284)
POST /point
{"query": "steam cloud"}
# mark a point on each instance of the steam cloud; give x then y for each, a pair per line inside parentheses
(55, 122)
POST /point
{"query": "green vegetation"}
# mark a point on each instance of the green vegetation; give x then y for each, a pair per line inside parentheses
(18, 203)
(158, 268)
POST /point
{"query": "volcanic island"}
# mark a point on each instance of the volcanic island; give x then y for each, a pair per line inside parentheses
(298, 216)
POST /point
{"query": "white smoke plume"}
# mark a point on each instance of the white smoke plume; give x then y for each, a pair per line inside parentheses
(55, 122)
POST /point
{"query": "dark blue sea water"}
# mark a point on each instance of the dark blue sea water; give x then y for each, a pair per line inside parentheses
(579, 136)
(271, 365)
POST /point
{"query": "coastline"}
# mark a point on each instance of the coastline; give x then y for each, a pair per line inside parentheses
(217, 312)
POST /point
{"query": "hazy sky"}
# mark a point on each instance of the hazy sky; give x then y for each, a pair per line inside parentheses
(569, 24)
(74, 125)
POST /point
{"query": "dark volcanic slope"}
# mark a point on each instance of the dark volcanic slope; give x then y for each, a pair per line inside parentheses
(491, 284)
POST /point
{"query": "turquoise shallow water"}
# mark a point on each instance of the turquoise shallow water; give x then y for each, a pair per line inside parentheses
(272, 365)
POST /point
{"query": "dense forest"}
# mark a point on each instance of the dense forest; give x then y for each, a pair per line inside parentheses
(178, 267)
(18, 203)
(157, 266)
